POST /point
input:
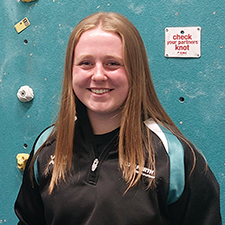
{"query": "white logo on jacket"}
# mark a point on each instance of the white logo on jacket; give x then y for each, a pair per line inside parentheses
(146, 172)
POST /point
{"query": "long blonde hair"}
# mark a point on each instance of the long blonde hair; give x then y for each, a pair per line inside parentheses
(142, 102)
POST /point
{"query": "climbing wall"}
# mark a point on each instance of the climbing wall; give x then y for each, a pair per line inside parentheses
(192, 90)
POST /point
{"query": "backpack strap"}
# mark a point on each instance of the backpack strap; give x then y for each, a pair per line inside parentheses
(175, 151)
(39, 142)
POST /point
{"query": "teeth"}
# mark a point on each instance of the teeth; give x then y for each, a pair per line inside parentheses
(99, 91)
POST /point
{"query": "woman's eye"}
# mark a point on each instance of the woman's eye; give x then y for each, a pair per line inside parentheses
(113, 64)
(85, 63)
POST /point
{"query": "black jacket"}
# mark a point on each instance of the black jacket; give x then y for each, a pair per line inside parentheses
(95, 192)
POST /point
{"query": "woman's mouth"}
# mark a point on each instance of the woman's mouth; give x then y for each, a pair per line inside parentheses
(99, 91)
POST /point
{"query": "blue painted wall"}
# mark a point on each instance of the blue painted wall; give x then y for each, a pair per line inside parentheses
(39, 64)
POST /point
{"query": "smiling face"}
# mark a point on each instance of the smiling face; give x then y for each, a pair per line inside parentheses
(99, 78)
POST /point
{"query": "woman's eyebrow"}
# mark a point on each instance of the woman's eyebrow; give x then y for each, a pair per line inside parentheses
(114, 57)
(88, 56)
(81, 57)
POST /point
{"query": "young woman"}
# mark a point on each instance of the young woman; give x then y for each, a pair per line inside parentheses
(114, 156)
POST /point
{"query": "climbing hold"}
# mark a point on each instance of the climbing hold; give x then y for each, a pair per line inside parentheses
(27, 0)
(23, 24)
(22, 160)
(25, 94)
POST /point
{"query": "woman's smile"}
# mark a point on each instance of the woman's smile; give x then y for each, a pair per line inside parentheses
(100, 91)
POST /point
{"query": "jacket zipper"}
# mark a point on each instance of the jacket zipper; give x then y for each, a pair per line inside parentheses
(96, 163)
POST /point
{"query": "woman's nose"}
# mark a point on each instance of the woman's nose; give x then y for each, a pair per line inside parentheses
(99, 73)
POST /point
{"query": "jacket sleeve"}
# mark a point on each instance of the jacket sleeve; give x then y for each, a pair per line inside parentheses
(199, 203)
(29, 206)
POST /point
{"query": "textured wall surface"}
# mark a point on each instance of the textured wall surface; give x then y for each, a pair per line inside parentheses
(38, 62)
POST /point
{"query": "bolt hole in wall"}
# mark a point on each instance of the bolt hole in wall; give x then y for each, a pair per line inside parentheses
(181, 99)
(25, 145)
(25, 41)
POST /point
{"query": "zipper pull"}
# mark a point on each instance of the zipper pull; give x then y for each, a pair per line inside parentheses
(94, 165)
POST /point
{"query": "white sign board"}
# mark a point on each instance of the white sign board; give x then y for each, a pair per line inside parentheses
(184, 42)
